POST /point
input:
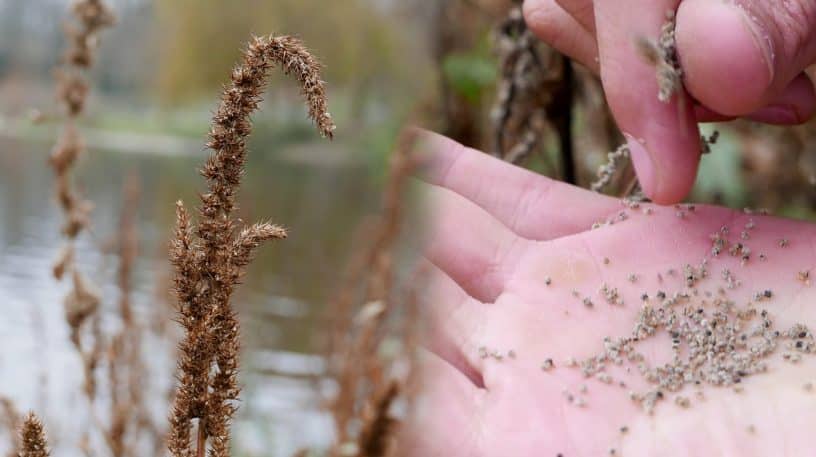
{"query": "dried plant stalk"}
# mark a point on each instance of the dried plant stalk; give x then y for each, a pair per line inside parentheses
(378, 425)
(90, 18)
(365, 307)
(210, 256)
(11, 418)
(535, 91)
(32, 438)
(129, 417)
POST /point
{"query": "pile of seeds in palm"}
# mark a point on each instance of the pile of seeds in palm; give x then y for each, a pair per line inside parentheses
(714, 341)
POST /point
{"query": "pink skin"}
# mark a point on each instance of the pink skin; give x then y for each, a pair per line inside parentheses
(498, 231)
(741, 58)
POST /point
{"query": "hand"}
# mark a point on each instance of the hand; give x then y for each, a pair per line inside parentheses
(499, 233)
(742, 58)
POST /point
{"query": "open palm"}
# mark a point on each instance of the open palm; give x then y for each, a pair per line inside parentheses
(520, 277)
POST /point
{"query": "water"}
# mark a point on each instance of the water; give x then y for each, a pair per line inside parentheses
(280, 303)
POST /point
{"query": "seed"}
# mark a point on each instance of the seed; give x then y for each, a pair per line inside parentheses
(548, 280)
(661, 295)
(612, 452)
(580, 402)
(804, 276)
(511, 353)
(682, 402)
(632, 277)
(751, 429)
(588, 302)
(547, 365)
(483, 352)
(783, 242)
(624, 429)
(606, 260)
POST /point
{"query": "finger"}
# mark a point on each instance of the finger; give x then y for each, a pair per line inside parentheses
(469, 245)
(445, 416)
(582, 11)
(795, 105)
(454, 321)
(557, 28)
(703, 114)
(663, 137)
(752, 51)
(532, 206)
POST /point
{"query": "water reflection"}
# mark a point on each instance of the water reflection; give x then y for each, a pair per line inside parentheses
(281, 301)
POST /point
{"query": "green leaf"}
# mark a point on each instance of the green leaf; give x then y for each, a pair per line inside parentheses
(469, 74)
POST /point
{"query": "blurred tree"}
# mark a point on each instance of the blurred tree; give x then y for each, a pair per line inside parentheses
(362, 46)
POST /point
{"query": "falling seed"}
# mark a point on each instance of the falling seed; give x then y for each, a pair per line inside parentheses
(548, 280)
(547, 365)
(648, 211)
(575, 293)
(751, 429)
(580, 402)
(682, 402)
(583, 389)
(783, 242)
(511, 353)
(612, 451)
(483, 352)
(763, 257)
(632, 277)
(588, 302)
(606, 260)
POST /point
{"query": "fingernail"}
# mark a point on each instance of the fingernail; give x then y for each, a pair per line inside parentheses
(776, 114)
(644, 164)
(762, 38)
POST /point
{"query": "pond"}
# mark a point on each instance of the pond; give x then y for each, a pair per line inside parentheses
(281, 302)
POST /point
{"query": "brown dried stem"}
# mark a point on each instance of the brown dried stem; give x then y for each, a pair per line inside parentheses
(90, 17)
(535, 91)
(364, 305)
(210, 257)
(11, 418)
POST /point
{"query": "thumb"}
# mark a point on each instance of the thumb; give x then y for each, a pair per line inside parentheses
(740, 56)
(663, 137)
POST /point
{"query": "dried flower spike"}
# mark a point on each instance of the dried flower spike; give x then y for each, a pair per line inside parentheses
(210, 257)
(32, 438)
